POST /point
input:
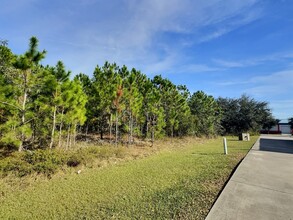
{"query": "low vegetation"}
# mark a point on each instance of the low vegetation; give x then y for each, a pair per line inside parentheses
(48, 162)
(180, 180)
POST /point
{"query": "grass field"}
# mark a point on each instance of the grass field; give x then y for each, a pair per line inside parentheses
(179, 182)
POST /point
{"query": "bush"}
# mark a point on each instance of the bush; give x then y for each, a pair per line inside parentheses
(43, 156)
(48, 162)
(48, 168)
(40, 161)
(16, 166)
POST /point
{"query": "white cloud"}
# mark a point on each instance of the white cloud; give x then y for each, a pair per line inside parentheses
(229, 64)
(281, 56)
(127, 31)
(275, 88)
(277, 84)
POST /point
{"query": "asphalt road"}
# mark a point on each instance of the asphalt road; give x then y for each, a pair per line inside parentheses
(262, 185)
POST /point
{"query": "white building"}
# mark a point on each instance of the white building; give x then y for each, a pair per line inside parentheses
(283, 128)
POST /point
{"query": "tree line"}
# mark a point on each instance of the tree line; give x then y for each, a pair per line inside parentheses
(43, 107)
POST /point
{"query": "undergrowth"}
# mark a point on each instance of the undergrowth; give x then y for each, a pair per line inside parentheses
(48, 162)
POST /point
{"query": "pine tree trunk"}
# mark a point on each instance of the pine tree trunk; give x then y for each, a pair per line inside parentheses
(60, 129)
(20, 148)
(131, 129)
(74, 134)
(53, 127)
(116, 136)
(110, 127)
(86, 130)
(68, 138)
(153, 136)
(101, 130)
(147, 125)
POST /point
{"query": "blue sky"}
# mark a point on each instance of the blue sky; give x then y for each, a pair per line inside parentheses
(224, 47)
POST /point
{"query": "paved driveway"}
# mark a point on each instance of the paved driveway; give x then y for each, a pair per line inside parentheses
(262, 185)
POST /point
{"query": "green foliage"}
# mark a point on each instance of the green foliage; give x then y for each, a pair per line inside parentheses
(20, 73)
(244, 114)
(205, 114)
(174, 102)
(41, 156)
(269, 122)
(15, 165)
(38, 102)
(42, 107)
(39, 161)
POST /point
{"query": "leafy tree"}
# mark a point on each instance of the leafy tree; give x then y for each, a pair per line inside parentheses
(269, 121)
(243, 114)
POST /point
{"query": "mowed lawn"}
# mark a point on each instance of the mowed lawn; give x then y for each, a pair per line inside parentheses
(176, 183)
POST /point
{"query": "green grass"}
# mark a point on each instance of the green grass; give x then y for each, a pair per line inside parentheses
(180, 182)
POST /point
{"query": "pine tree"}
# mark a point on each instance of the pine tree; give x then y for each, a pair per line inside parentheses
(8, 104)
(75, 111)
(22, 80)
(168, 93)
(133, 100)
(87, 87)
(206, 113)
(153, 111)
(103, 95)
(117, 105)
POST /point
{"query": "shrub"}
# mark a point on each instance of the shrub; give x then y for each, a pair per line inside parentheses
(16, 166)
(48, 168)
(40, 161)
(48, 162)
(43, 156)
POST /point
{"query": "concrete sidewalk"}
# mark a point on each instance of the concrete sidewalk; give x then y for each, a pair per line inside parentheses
(262, 185)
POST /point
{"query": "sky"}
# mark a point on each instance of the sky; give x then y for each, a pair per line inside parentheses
(225, 48)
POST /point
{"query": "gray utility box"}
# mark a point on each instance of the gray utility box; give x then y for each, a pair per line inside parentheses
(244, 137)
